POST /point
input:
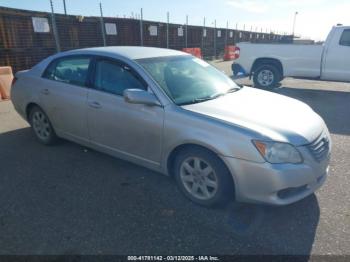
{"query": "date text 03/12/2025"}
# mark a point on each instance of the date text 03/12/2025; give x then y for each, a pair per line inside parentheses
(173, 258)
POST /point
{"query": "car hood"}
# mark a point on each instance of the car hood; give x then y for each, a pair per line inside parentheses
(273, 116)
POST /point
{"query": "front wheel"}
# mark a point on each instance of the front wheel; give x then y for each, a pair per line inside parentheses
(203, 178)
(266, 76)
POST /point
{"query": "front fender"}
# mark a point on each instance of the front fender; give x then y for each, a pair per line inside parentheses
(184, 127)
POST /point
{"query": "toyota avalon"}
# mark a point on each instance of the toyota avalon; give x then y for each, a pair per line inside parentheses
(176, 114)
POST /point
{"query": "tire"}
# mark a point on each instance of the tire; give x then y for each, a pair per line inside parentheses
(200, 184)
(42, 127)
(266, 76)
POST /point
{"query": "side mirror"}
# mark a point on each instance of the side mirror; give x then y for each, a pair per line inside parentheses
(138, 96)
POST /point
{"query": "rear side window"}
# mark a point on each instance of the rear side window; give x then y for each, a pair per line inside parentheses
(114, 78)
(345, 38)
(72, 70)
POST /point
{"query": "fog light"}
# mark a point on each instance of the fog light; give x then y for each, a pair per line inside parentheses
(291, 191)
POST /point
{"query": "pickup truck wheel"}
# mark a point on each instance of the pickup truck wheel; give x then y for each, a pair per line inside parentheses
(266, 76)
(203, 178)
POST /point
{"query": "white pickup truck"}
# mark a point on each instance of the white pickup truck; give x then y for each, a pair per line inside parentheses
(268, 64)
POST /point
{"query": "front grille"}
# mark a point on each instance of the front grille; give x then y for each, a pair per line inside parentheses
(319, 148)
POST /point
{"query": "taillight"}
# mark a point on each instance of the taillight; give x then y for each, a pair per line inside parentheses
(14, 79)
(237, 52)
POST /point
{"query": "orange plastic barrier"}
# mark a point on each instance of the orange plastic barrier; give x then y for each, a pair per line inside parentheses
(231, 52)
(6, 77)
(196, 51)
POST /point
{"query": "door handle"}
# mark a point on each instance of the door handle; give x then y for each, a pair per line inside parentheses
(95, 104)
(45, 91)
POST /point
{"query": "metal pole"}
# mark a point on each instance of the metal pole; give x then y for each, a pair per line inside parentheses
(186, 31)
(226, 33)
(102, 26)
(202, 44)
(54, 28)
(294, 21)
(141, 27)
(235, 34)
(64, 6)
(215, 39)
(167, 31)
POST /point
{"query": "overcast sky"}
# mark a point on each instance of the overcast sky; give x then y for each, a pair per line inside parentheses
(314, 20)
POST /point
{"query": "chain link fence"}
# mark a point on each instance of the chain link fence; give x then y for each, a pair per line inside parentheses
(27, 37)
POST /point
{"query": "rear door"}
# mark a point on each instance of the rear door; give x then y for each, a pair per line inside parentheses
(64, 95)
(337, 57)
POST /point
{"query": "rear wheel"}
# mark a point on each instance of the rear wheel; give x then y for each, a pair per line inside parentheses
(203, 178)
(266, 76)
(41, 126)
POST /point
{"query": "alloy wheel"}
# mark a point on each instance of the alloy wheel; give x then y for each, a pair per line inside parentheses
(265, 77)
(199, 178)
(41, 125)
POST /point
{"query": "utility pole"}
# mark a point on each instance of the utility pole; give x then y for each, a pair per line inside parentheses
(141, 28)
(203, 29)
(226, 33)
(102, 26)
(167, 30)
(215, 39)
(294, 21)
(186, 38)
(64, 6)
(54, 28)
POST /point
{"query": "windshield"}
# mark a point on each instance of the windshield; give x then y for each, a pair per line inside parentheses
(187, 79)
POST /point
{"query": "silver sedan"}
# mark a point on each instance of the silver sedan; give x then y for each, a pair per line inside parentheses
(178, 115)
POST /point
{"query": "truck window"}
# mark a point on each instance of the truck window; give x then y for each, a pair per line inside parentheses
(345, 38)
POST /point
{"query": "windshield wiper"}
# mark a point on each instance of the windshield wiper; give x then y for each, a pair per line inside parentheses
(214, 96)
(203, 99)
(233, 89)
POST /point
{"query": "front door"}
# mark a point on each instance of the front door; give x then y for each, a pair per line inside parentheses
(337, 57)
(132, 131)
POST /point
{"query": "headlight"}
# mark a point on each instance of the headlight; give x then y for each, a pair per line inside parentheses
(277, 152)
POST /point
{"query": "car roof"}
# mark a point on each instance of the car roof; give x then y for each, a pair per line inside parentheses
(130, 52)
(342, 26)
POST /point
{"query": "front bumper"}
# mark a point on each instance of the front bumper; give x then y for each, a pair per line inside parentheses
(277, 184)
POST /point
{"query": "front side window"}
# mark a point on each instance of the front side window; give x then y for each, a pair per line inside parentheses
(188, 80)
(114, 78)
(72, 70)
(345, 38)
